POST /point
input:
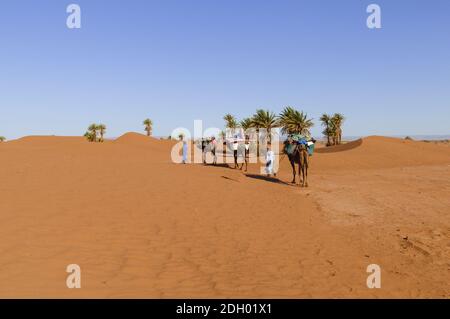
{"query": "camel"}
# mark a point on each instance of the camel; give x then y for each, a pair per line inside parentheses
(301, 157)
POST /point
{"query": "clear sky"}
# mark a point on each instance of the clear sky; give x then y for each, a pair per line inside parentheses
(176, 61)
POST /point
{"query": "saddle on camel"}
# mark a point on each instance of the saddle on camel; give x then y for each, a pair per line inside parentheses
(299, 148)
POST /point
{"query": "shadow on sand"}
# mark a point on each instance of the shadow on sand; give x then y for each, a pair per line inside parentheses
(230, 179)
(222, 165)
(274, 180)
(268, 179)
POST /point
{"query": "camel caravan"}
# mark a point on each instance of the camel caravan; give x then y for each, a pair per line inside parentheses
(254, 137)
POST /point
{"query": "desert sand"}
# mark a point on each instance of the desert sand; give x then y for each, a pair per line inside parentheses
(140, 226)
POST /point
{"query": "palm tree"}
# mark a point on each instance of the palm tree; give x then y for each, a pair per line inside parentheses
(294, 122)
(246, 123)
(230, 122)
(102, 130)
(265, 120)
(92, 129)
(148, 126)
(89, 136)
(337, 120)
(330, 133)
(326, 122)
(2, 138)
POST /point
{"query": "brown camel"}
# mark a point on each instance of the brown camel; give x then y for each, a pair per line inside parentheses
(300, 156)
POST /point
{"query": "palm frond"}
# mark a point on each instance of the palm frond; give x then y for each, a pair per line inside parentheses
(293, 121)
(230, 121)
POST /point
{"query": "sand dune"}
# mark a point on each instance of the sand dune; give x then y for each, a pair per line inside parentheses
(162, 147)
(381, 152)
(38, 141)
(340, 148)
(136, 138)
(141, 226)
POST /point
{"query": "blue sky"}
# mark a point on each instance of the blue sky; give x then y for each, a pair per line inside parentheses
(176, 61)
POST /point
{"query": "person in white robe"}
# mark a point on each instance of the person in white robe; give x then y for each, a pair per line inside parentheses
(270, 157)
